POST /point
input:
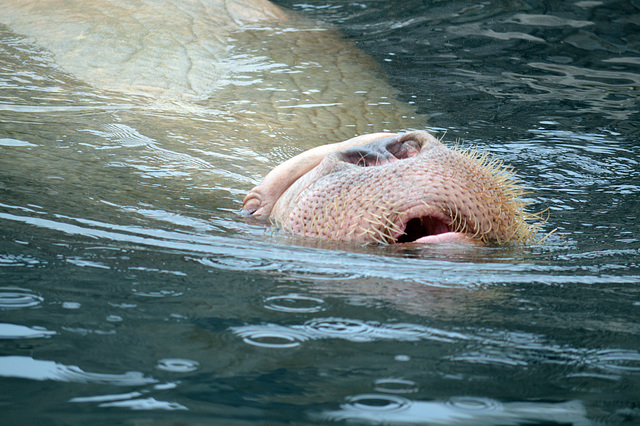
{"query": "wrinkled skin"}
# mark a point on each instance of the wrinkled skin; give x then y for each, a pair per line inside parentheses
(391, 188)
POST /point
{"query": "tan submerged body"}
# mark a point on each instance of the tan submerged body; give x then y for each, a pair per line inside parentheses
(394, 188)
(270, 77)
(147, 47)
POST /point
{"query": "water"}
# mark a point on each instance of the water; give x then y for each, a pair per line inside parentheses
(130, 290)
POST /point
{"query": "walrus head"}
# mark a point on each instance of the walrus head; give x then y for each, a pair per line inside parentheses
(394, 188)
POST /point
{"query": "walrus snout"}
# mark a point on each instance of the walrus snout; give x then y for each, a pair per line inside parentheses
(394, 188)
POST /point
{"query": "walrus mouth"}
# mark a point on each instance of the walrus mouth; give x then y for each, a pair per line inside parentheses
(420, 228)
(424, 226)
(433, 230)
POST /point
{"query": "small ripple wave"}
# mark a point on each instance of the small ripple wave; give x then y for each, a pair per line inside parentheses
(15, 331)
(25, 367)
(352, 330)
(177, 365)
(271, 336)
(377, 403)
(395, 385)
(616, 360)
(294, 303)
(9, 260)
(474, 404)
(16, 298)
(392, 409)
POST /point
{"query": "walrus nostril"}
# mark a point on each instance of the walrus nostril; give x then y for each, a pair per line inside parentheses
(423, 227)
(403, 149)
(364, 158)
(381, 151)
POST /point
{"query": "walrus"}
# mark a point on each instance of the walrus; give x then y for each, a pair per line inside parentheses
(394, 188)
(270, 81)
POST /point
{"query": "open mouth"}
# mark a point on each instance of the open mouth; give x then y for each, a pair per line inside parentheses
(421, 227)
(430, 229)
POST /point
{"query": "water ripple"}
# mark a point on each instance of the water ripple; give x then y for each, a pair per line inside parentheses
(352, 330)
(271, 336)
(340, 328)
(15, 331)
(235, 263)
(130, 400)
(158, 293)
(25, 367)
(520, 350)
(377, 403)
(474, 404)
(15, 142)
(14, 298)
(381, 408)
(177, 365)
(294, 303)
(238, 254)
(395, 386)
(18, 260)
(145, 404)
(616, 360)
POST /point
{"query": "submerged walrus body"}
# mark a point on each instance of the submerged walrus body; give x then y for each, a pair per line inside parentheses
(391, 188)
(145, 47)
(266, 75)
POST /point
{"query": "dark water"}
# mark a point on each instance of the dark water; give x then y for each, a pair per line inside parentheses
(131, 293)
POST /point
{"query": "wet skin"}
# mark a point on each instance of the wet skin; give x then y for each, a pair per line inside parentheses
(393, 188)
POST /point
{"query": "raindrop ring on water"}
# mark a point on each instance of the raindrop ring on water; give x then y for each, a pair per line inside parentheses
(395, 386)
(12, 298)
(272, 337)
(469, 403)
(177, 365)
(353, 330)
(272, 341)
(294, 303)
(378, 403)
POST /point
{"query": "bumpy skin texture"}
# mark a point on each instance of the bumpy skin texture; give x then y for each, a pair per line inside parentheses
(398, 188)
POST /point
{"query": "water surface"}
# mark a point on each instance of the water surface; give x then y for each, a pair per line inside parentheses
(131, 291)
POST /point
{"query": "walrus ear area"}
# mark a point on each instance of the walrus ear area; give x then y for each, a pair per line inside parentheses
(382, 151)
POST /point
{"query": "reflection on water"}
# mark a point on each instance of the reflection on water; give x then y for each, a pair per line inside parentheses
(505, 63)
(459, 411)
(332, 328)
(29, 368)
(11, 298)
(512, 349)
(128, 283)
(13, 331)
